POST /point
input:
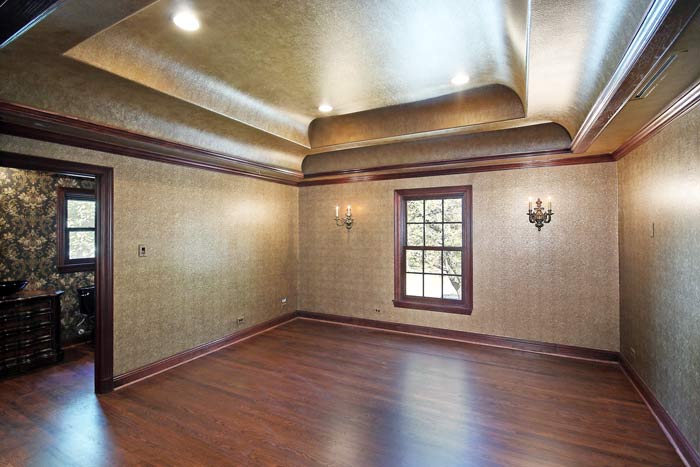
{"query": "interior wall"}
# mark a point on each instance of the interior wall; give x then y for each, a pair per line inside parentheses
(28, 248)
(219, 247)
(561, 284)
(659, 184)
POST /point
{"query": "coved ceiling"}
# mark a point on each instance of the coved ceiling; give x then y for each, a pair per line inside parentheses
(271, 65)
(249, 82)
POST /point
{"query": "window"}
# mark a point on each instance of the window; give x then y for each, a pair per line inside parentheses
(76, 229)
(433, 257)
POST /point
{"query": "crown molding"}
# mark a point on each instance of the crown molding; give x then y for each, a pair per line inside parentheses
(29, 122)
(435, 164)
(664, 22)
(368, 175)
(682, 105)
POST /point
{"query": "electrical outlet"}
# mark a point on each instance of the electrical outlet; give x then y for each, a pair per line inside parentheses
(284, 301)
(240, 320)
(377, 310)
(142, 251)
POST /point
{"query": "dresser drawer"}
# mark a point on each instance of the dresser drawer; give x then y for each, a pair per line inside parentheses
(11, 308)
(30, 331)
(13, 362)
(26, 323)
(21, 338)
(24, 312)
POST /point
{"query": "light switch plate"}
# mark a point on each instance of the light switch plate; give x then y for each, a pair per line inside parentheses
(142, 251)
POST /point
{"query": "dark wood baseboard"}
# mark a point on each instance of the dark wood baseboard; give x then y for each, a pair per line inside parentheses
(462, 336)
(560, 350)
(673, 433)
(675, 436)
(29, 122)
(195, 352)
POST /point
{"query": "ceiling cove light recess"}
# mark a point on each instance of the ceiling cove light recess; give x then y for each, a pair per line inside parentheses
(186, 20)
(460, 79)
(325, 108)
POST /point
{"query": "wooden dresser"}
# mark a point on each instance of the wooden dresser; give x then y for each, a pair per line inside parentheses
(30, 330)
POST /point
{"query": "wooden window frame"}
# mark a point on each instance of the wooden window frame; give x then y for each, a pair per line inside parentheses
(65, 264)
(401, 300)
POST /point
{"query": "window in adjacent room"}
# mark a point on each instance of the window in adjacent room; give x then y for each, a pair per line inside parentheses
(433, 257)
(76, 234)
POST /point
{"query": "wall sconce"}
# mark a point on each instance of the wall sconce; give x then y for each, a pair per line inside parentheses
(345, 221)
(538, 216)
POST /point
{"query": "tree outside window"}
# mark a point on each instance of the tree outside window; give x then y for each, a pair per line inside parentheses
(433, 249)
(76, 222)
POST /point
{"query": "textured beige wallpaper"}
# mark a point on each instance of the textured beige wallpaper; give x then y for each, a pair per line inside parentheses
(42, 77)
(558, 285)
(219, 247)
(659, 183)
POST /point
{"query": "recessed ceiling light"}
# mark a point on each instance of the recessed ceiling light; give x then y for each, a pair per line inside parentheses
(186, 20)
(460, 79)
(325, 107)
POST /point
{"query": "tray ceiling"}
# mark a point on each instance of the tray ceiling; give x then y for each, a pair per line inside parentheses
(271, 67)
(249, 82)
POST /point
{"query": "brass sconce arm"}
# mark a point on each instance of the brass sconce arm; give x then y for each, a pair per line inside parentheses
(539, 216)
(346, 221)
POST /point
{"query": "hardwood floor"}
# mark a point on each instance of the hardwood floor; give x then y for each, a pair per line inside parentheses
(312, 393)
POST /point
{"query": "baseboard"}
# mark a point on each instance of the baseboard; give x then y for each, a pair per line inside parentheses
(678, 440)
(199, 351)
(568, 351)
(684, 448)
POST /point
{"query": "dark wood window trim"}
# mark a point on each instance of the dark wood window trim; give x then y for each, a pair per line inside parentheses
(65, 264)
(401, 300)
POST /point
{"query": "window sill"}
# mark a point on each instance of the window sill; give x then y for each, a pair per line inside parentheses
(79, 267)
(460, 309)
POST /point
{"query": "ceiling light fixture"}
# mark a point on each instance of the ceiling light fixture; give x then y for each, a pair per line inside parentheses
(460, 79)
(325, 107)
(186, 20)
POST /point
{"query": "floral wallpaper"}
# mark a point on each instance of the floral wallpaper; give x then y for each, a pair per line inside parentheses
(28, 239)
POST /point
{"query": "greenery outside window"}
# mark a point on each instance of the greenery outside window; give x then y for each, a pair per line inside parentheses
(433, 254)
(76, 229)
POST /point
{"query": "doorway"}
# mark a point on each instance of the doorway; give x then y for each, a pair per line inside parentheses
(104, 197)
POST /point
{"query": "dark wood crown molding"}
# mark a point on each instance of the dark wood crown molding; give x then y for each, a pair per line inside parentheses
(665, 21)
(370, 175)
(682, 105)
(23, 121)
(29, 122)
(435, 164)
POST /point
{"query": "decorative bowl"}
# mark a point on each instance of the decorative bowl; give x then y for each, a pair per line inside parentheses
(12, 287)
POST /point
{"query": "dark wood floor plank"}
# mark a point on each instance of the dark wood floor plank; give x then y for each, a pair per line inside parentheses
(313, 393)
